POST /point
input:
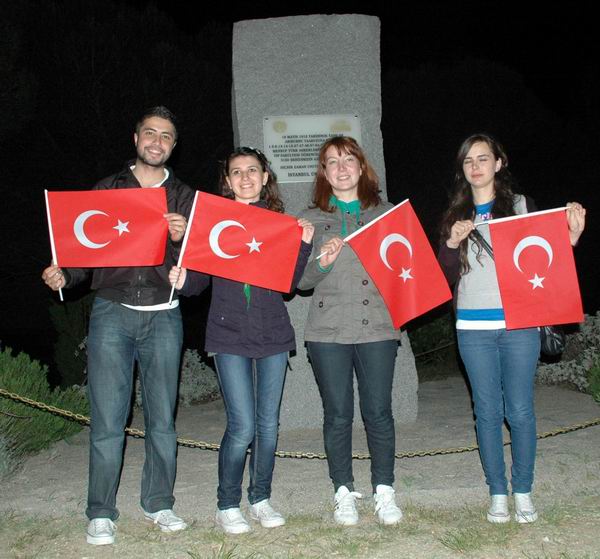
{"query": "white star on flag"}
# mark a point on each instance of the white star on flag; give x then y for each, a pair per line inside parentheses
(121, 227)
(536, 281)
(405, 275)
(254, 246)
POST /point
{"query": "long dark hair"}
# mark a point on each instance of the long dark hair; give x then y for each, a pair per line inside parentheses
(368, 184)
(461, 203)
(269, 192)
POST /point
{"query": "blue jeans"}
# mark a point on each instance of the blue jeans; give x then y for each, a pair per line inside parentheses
(333, 365)
(118, 337)
(501, 366)
(252, 390)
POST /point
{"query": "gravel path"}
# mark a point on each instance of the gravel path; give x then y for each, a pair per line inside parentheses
(54, 482)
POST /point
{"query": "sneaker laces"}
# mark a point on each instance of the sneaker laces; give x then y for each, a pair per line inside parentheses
(347, 502)
(384, 501)
(167, 517)
(103, 525)
(232, 517)
(499, 504)
(265, 509)
(524, 503)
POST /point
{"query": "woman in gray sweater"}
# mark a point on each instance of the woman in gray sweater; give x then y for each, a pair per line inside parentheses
(500, 363)
(349, 328)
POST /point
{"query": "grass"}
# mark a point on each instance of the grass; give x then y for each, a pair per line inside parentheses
(555, 515)
(562, 555)
(463, 540)
(566, 530)
(225, 551)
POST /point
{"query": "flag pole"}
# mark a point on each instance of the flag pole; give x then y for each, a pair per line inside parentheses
(364, 227)
(184, 243)
(52, 245)
(520, 216)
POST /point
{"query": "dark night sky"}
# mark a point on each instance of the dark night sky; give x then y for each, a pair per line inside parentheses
(553, 45)
(546, 56)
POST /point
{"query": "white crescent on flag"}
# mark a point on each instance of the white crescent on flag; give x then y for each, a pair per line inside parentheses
(389, 240)
(80, 233)
(532, 240)
(385, 245)
(215, 232)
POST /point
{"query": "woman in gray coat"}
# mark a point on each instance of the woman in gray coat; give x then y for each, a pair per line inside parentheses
(349, 328)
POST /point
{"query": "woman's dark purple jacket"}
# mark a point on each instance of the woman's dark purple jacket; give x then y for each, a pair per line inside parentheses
(259, 330)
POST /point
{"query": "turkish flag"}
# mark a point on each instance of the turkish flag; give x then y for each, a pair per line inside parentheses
(106, 228)
(241, 242)
(536, 269)
(397, 255)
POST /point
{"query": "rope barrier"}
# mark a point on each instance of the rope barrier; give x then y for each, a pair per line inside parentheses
(191, 443)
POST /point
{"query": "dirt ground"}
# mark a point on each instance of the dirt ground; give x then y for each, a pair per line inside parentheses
(53, 484)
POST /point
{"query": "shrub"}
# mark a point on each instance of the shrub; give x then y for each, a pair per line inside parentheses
(10, 457)
(30, 429)
(71, 319)
(197, 382)
(432, 333)
(426, 338)
(574, 372)
(579, 363)
(586, 336)
(594, 379)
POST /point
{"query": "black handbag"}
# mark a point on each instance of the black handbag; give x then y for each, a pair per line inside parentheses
(553, 338)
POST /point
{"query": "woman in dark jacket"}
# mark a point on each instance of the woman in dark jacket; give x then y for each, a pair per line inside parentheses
(250, 333)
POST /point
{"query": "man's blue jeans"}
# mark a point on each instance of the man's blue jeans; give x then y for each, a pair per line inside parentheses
(333, 365)
(252, 390)
(501, 366)
(118, 337)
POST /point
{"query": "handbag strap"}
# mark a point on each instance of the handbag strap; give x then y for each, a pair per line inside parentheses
(477, 237)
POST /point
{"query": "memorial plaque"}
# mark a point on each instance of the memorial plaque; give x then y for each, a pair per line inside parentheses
(292, 143)
(293, 83)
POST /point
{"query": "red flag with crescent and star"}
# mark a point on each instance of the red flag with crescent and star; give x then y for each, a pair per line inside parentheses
(241, 242)
(107, 228)
(536, 269)
(398, 257)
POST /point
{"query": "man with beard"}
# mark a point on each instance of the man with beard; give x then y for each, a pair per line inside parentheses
(132, 320)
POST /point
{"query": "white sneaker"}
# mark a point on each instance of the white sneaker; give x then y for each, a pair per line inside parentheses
(264, 513)
(345, 512)
(232, 521)
(101, 531)
(524, 508)
(498, 511)
(166, 520)
(385, 505)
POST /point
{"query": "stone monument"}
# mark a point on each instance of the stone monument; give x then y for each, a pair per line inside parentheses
(311, 65)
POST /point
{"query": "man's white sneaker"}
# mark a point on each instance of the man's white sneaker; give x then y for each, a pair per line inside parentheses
(387, 510)
(498, 511)
(166, 520)
(345, 512)
(101, 531)
(232, 521)
(264, 513)
(524, 508)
